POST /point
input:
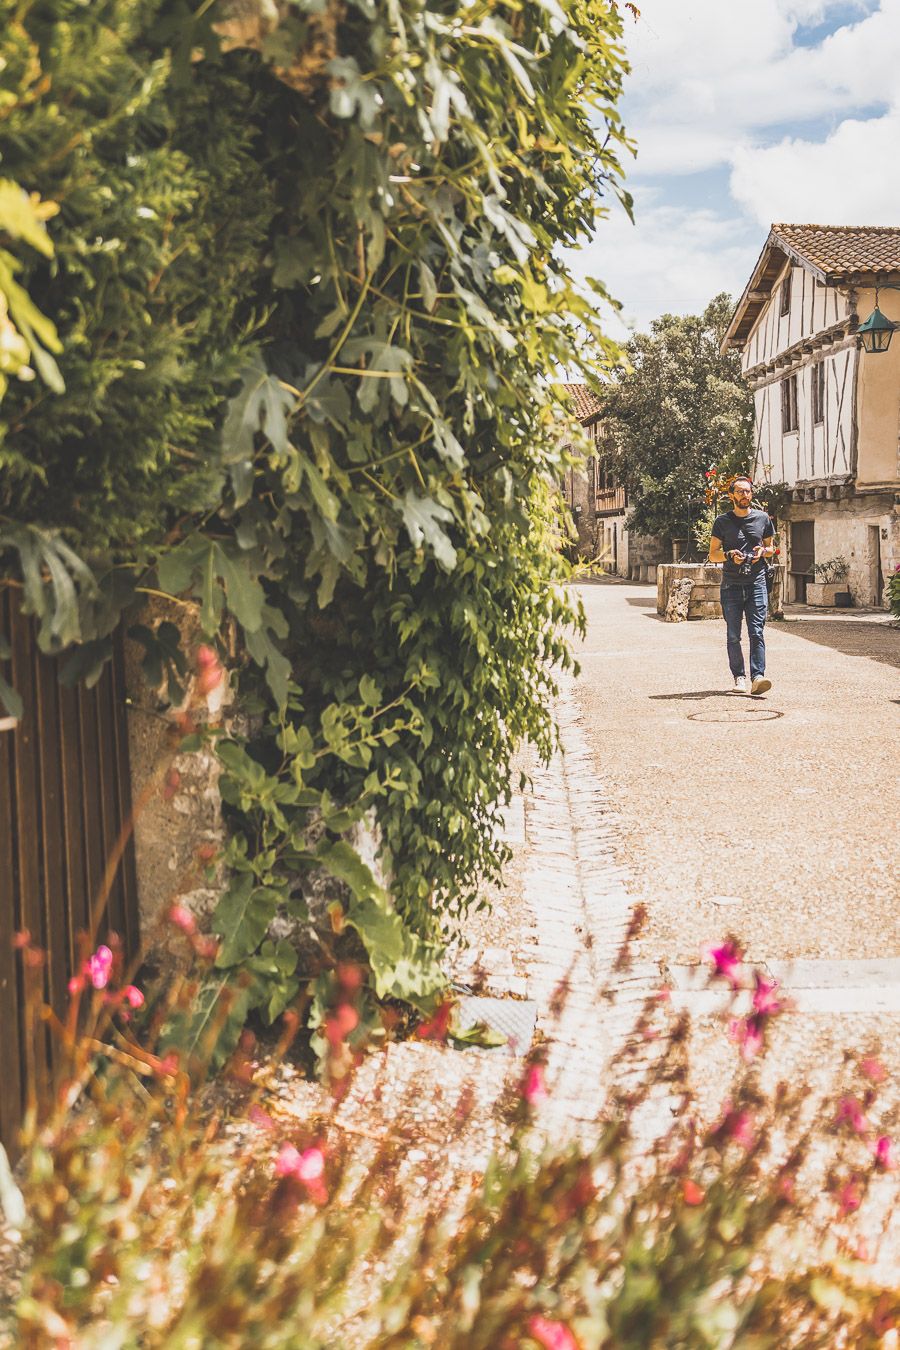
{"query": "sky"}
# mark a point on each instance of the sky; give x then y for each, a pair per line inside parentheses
(746, 112)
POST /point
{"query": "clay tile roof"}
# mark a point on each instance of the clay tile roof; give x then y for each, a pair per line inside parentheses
(839, 249)
(587, 405)
(832, 253)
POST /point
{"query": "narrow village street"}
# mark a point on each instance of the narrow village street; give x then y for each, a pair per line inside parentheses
(771, 819)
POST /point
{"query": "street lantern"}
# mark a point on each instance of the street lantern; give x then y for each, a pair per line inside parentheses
(876, 331)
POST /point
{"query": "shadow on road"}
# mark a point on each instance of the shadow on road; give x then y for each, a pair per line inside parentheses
(695, 693)
(877, 641)
(642, 601)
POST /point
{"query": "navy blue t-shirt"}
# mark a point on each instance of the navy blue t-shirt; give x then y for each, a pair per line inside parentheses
(743, 532)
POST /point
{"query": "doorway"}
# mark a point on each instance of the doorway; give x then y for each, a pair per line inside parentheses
(876, 573)
(803, 557)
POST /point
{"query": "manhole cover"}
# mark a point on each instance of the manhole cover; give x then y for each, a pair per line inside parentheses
(512, 1018)
(736, 715)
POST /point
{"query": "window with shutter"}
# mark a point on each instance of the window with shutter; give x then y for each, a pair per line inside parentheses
(789, 419)
(786, 295)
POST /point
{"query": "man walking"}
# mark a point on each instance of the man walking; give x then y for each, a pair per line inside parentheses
(743, 539)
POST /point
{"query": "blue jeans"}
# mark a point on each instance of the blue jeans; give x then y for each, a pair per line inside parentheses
(752, 603)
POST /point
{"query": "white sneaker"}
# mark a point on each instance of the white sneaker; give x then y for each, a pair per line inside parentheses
(741, 685)
(760, 685)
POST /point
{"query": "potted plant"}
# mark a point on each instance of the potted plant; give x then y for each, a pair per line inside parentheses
(831, 588)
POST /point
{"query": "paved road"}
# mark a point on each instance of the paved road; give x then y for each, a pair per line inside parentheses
(775, 817)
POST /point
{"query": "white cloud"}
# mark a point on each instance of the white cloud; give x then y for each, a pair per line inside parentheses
(714, 84)
(708, 76)
(672, 260)
(848, 179)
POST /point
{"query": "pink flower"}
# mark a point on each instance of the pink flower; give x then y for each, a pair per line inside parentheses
(726, 961)
(288, 1161)
(261, 1118)
(693, 1194)
(435, 1028)
(76, 984)
(308, 1167)
(182, 918)
(748, 1035)
(873, 1069)
(849, 1110)
(551, 1335)
(133, 996)
(883, 1149)
(534, 1089)
(344, 1020)
(210, 670)
(98, 967)
(849, 1197)
(738, 1126)
(765, 1004)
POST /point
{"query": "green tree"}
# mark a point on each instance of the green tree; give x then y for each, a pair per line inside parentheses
(681, 408)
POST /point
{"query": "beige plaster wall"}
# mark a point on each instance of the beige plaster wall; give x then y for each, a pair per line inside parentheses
(845, 529)
(878, 398)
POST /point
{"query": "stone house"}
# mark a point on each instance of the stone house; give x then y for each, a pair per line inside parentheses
(595, 499)
(827, 412)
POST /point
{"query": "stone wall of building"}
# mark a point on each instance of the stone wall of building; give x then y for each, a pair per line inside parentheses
(645, 553)
(177, 806)
(580, 501)
(864, 529)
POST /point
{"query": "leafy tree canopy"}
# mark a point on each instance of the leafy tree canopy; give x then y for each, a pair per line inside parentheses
(681, 408)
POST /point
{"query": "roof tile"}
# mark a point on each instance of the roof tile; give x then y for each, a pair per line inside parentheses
(587, 405)
(839, 249)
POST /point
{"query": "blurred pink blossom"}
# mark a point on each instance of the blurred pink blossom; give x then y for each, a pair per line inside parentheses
(726, 960)
(849, 1110)
(849, 1196)
(551, 1335)
(133, 996)
(740, 1128)
(307, 1166)
(748, 1034)
(98, 967)
(765, 1002)
(182, 918)
(873, 1069)
(883, 1148)
(260, 1117)
(534, 1089)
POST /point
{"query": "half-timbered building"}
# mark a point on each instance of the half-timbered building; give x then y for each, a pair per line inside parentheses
(827, 413)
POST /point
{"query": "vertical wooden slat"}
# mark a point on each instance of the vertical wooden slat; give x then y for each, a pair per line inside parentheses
(56, 894)
(119, 727)
(71, 792)
(26, 837)
(91, 793)
(105, 714)
(11, 1044)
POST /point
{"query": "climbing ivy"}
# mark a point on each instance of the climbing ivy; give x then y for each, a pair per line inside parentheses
(308, 288)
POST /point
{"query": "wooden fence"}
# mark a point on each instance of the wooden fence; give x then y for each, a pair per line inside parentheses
(64, 797)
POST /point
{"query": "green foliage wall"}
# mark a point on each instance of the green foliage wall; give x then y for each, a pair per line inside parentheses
(309, 301)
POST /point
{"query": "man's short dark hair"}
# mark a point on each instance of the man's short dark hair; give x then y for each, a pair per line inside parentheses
(742, 478)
